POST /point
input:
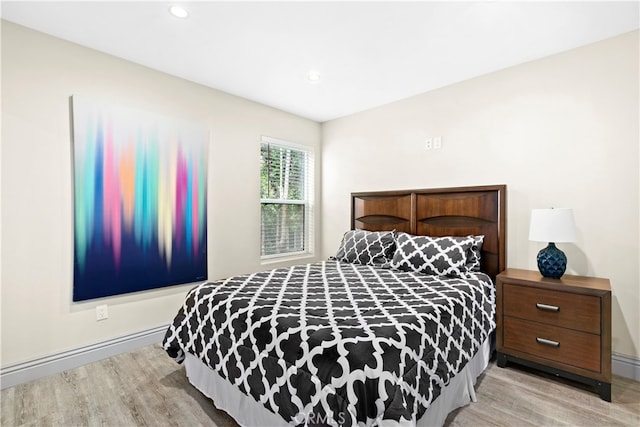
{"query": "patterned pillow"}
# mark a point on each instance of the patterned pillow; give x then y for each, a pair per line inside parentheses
(367, 247)
(441, 256)
(473, 256)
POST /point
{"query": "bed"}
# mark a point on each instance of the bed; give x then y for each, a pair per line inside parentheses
(392, 330)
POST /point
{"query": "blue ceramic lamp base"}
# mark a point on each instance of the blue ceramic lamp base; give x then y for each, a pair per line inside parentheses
(552, 262)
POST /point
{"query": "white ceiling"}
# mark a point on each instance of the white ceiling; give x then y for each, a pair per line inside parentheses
(368, 53)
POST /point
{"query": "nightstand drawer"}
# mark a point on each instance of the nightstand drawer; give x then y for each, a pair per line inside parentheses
(569, 310)
(550, 342)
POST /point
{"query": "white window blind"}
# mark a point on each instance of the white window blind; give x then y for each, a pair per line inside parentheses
(286, 195)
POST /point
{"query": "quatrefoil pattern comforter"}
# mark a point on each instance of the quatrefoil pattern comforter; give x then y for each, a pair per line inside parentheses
(347, 343)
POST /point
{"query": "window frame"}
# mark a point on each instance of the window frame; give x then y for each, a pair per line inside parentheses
(307, 201)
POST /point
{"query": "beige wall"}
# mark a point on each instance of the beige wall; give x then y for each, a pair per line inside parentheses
(561, 131)
(39, 74)
(581, 106)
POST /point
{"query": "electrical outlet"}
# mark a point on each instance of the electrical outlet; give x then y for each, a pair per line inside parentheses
(428, 144)
(102, 312)
(437, 142)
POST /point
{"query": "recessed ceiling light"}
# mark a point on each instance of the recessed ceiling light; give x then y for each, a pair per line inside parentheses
(178, 11)
(313, 77)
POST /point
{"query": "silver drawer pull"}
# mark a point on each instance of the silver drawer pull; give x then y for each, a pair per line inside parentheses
(547, 342)
(546, 307)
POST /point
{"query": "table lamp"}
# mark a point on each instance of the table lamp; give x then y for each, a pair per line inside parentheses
(552, 225)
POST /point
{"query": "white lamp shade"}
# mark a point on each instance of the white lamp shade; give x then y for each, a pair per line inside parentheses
(552, 225)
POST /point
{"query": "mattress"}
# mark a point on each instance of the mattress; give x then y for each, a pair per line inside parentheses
(346, 344)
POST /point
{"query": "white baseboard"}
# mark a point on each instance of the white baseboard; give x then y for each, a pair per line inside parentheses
(625, 366)
(28, 371)
(24, 372)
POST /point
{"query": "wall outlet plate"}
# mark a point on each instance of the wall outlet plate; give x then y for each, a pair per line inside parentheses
(102, 312)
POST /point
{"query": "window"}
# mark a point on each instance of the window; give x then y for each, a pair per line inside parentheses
(286, 194)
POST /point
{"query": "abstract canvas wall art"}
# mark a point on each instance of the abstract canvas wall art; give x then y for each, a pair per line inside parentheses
(140, 200)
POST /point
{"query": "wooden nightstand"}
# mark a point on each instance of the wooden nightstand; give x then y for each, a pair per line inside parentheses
(561, 326)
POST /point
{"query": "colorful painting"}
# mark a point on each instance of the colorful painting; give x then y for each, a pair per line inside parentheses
(140, 200)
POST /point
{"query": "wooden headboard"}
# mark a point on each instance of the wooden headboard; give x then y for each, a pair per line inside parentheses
(440, 212)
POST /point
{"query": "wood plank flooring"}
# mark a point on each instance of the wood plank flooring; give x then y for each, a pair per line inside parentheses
(146, 388)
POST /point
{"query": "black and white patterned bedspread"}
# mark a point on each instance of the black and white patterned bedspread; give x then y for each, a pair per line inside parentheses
(343, 343)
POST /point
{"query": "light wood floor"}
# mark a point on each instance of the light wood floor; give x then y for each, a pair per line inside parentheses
(146, 388)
